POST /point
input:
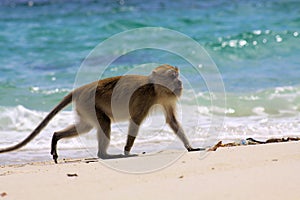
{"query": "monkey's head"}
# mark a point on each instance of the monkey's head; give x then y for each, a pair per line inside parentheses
(166, 80)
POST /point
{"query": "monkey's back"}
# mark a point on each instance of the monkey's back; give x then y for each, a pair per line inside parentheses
(115, 96)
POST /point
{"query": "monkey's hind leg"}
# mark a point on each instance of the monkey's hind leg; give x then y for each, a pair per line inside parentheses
(103, 134)
(132, 133)
(71, 131)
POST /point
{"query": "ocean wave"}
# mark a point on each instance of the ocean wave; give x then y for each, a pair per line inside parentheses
(275, 102)
(16, 123)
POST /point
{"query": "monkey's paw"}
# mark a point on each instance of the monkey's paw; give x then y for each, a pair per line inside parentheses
(128, 154)
(55, 156)
(195, 149)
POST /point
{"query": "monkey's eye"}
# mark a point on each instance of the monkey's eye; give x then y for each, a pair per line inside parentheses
(173, 74)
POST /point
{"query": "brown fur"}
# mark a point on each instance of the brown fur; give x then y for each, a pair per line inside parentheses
(128, 97)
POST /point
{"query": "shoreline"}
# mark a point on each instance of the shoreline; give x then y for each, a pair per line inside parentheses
(244, 172)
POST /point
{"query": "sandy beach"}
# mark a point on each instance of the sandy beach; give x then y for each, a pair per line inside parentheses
(269, 171)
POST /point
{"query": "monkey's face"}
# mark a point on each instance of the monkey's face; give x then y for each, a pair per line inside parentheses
(166, 79)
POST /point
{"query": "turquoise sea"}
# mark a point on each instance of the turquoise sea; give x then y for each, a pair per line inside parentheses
(255, 45)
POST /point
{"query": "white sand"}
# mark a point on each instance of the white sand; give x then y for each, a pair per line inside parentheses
(249, 172)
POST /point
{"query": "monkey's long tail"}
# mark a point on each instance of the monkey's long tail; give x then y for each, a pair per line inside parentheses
(67, 100)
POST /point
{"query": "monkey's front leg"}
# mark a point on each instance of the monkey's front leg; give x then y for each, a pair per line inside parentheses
(132, 133)
(184, 139)
(175, 126)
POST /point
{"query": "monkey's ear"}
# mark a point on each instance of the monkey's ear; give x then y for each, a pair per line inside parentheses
(152, 76)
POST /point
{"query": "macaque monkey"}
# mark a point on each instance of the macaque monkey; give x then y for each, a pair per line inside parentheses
(128, 97)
